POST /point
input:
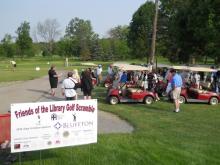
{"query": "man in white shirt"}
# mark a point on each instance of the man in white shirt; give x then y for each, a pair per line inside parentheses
(110, 70)
(197, 80)
(68, 87)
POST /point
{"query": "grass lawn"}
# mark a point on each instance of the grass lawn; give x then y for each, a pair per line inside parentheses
(25, 69)
(190, 137)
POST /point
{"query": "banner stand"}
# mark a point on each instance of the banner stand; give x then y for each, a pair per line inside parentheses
(40, 158)
(89, 153)
(19, 158)
(71, 154)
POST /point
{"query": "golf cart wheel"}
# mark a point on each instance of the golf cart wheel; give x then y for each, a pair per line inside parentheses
(113, 100)
(106, 85)
(164, 94)
(148, 100)
(182, 100)
(213, 101)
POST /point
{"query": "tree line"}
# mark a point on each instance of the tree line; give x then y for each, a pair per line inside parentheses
(187, 31)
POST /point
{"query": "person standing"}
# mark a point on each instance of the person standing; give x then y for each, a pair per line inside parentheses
(110, 71)
(76, 75)
(68, 87)
(53, 79)
(217, 82)
(13, 65)
(197, 80)
(176, 84)
(99, 74)
(86, 84)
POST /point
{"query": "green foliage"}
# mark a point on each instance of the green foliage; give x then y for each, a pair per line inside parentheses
(120, 49)
(24, 41)
(80, 32)
(119, 33)
(7, 46)
(192, 28)
(65, 47)
(140, 34)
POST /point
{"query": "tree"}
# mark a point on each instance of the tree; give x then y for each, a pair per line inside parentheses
(64, 47)
(49, 31)
(8, 47)
(81, 34)
(193, 29)
(118, 41)
(119, 32)
(140, 34)
(24, 41)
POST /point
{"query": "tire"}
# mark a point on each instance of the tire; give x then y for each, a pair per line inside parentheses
(148, 100)
(106, 85)
(113, 100)
(182, 100)
(213, 101)
(164, 94)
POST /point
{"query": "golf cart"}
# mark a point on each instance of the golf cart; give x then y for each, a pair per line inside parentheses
(191, 94)
(127, 93)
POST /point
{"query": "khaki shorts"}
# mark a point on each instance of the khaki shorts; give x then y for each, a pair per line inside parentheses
(176, 93)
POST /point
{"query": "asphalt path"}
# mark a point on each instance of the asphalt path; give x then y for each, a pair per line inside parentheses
(38, 91)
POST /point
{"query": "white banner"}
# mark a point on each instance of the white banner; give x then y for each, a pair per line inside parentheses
(45, 125)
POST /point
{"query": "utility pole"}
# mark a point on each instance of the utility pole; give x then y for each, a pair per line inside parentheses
(153, 43)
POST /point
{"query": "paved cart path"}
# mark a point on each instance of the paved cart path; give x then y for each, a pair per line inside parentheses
(38, 91)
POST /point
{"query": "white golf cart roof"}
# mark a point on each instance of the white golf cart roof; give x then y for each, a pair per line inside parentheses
(89, 64)
(128, 67)
(193, 69)
(201, 69)
(180, 67)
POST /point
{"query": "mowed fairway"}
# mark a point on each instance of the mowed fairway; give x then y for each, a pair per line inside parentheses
(160, 136)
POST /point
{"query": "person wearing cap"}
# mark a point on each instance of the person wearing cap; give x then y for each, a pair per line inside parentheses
(176, 84)
(68, 87)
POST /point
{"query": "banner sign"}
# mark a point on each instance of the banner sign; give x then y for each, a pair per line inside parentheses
(45, 125)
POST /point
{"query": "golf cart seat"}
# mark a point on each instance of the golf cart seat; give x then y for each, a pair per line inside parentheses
(133, 90)
(198, 90)
(205, 85)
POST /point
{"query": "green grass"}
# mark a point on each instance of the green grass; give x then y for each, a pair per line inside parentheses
(25, 69)
(190, 137)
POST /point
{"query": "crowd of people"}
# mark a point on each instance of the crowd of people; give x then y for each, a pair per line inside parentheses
(72, 82)
(151, 81)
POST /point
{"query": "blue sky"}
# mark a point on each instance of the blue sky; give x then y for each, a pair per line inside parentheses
(103, 14)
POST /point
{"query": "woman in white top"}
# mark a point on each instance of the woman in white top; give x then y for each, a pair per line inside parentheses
(68, 87)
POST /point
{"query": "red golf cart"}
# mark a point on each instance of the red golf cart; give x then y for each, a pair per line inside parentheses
(191, 93)
(127, 95)
(130, 92)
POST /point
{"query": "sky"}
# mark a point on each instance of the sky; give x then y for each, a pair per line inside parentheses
(103, 14)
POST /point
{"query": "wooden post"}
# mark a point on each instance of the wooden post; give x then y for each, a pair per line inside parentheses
(153, 43)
